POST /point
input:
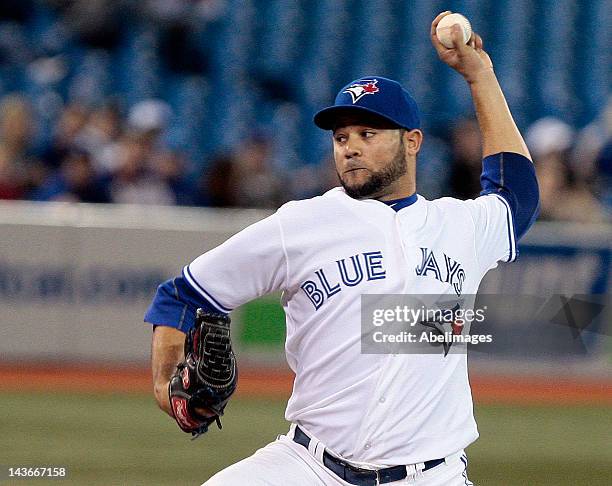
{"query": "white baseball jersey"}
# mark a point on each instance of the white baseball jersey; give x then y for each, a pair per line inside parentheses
(323, 253)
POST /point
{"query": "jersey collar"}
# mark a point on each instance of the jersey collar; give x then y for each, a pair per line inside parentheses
(397, 204)
(412, 217)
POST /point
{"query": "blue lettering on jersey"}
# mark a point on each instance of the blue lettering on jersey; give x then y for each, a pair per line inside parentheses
(352, 276)
(329, 290)
(428, 264)
(314, 294)
(346, 280)
(455, 275)
(374, 266)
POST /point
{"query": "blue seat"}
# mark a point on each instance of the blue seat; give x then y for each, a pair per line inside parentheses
(278, 42)
(371, 47)
(188, 132)
(592, 74)
(136, 70)
(554, 57)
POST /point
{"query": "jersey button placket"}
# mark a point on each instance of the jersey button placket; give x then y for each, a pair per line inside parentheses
(404, 253)
(374, 415)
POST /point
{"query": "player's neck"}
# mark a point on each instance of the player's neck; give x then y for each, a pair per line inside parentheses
(404, 187)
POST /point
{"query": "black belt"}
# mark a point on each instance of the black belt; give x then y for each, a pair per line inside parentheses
(355, 475)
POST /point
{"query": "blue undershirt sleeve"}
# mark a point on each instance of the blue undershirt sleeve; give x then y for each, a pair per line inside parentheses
(175, 304)
(512, 176)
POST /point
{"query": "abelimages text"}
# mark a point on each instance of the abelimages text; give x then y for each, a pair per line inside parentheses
(431, 337)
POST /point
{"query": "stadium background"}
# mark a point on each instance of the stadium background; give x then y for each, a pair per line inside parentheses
(155, 105)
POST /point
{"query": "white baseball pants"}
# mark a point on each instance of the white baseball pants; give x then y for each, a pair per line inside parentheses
(286, 463)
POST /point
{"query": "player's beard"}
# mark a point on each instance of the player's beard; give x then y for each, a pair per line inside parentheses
(381, 179)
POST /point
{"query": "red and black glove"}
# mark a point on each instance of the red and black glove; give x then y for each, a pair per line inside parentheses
(207, 377)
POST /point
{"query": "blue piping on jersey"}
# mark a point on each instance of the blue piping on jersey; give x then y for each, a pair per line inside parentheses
(196, 286)
(510, 224)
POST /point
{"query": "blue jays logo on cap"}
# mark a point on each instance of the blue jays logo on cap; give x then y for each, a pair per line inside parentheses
(360, 89)
(391, 103)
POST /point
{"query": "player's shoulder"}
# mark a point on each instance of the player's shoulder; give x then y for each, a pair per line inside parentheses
(447, 205)
(479, 209)
(464, 205)
(314, 212)
(326, 199)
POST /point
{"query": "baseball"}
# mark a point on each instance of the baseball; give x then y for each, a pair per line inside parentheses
(443, 30)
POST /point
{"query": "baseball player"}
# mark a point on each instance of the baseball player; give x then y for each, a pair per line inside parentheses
(356, 418)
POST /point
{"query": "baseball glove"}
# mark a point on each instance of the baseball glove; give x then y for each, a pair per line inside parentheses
(207, 377)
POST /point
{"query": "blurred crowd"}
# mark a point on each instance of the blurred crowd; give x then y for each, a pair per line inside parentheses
(573, 166)
(101, 155)
(96, 155)
(109, 152)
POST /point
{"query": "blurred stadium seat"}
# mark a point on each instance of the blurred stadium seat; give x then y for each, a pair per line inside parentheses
(254, 65)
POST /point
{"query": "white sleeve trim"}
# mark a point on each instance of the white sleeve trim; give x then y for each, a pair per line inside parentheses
(510, 222)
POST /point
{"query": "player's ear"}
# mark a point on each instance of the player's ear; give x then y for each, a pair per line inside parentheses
(412, 141)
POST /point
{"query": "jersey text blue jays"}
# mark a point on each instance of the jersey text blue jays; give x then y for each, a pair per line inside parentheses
(349, 272)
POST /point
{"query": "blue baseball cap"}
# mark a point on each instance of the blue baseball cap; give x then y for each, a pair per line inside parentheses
(376, 95)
